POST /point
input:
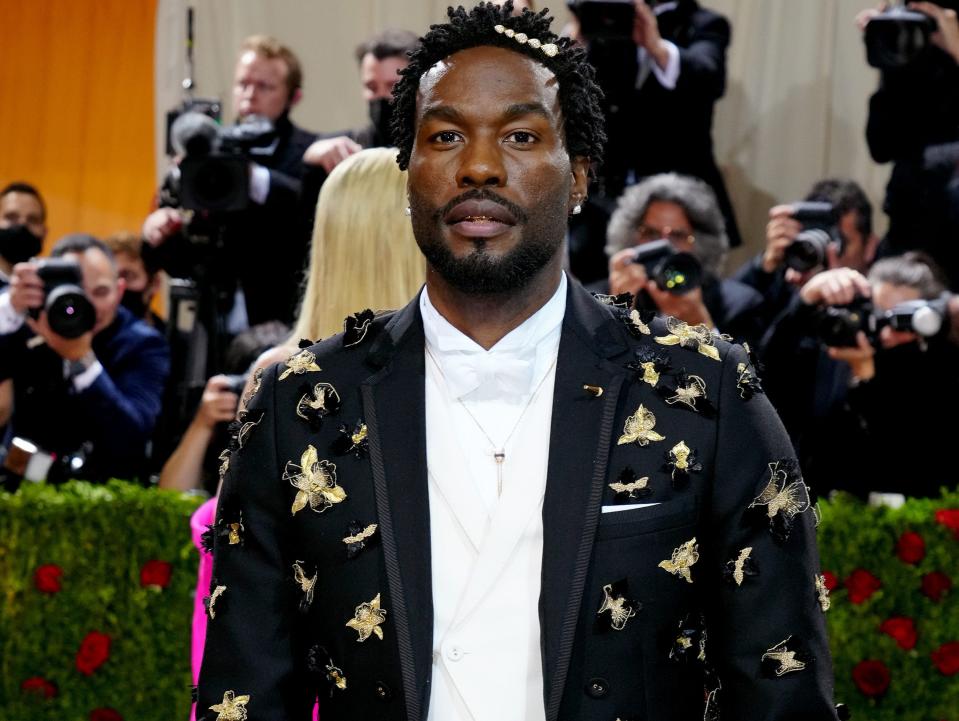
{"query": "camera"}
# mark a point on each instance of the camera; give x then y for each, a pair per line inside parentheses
(604, 19)
(896, 37)
(674, 272)
(838, 326)
(820, 230)
(26, 461)
(214, 174)
(236, 383)
(70, 314)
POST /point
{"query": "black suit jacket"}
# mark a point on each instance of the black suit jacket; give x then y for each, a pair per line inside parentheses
(260, 644)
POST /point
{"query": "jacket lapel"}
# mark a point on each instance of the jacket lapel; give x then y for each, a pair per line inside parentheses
(393, 403)
(577, 471)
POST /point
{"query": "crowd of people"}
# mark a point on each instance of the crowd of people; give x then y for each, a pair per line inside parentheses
(134, 356)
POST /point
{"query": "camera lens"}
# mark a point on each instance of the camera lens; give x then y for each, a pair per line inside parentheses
(808, 250)
(679, 273)
(69, 313)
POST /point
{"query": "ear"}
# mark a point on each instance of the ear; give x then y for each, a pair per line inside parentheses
(579, 170)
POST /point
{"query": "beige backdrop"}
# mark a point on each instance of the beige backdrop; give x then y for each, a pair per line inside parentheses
(794, 111)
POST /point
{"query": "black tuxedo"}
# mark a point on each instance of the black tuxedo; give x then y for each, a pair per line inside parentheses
(260, 644)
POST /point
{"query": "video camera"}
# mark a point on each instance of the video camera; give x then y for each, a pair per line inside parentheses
(838, 326)
(897, 36)
(214, 175)
(69, 312)
(820, 230)
(675, 272)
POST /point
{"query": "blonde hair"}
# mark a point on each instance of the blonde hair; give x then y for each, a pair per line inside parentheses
(363, 252)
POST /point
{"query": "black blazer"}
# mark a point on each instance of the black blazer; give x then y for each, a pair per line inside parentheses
(259, 643)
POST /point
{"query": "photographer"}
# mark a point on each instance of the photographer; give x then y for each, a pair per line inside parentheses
(684, 212)
(23, 226)
(87, 376)
(267, 239)
(914, 123)
(864, 422)
(852, 243)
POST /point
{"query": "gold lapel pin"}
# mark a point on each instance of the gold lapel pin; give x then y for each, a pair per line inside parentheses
(595, 391)
(232, 707)
(367, 620)
(682, 560)
(639, 428)
(315, 481)
(300, 363)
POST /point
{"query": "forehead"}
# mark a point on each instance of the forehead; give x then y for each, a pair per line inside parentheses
(21, 203)
(97, 268)
(886, 295)
(483, 80)
(252, 63)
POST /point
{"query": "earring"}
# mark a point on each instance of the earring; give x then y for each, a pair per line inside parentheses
(577, 209)
(408, 211)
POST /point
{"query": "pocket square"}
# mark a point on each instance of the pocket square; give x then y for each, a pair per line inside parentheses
(627, 507)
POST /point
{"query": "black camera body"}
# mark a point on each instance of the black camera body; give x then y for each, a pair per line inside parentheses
(675, 272)
(69, 312)
(838, 326)
(820, 230)
(215, 173)
(604, 19)
(896, 37)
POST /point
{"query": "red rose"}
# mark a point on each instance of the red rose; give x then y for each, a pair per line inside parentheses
(911, 548)
(830, 580)
(871, 677)
(949, 517)
(105, 714)
(40, 686)
(902, 629)
(47, 578)
(156, 573)
(935, 584)
(946, 658)
(93, 653)
(861, 585)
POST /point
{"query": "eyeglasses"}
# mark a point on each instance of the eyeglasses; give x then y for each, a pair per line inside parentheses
(649, 232)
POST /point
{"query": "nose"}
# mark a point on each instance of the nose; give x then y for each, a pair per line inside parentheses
(481, 165)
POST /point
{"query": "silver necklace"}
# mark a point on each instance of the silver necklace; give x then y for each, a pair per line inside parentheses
(499, 452)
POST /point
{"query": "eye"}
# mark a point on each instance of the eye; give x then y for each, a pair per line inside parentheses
(446, 137)
(521, 137)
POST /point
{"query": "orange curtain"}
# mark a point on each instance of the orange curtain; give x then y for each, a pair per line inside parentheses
(76, 109)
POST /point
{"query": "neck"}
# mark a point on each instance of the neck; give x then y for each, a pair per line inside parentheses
(486, 319)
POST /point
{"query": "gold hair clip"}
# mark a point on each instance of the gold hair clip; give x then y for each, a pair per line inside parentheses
(548, 49)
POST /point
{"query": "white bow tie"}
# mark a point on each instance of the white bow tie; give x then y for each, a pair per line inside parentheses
(508, 374)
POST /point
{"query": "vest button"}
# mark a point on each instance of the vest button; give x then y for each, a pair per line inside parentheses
(382, 691)
(597, 687)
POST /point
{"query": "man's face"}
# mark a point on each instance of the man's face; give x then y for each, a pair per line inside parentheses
(259, 86)
(666, 220)
(22, 209)
(379, 76)
(101, 285)
(490, 181)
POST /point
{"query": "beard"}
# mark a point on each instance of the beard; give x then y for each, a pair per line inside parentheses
(480, 272)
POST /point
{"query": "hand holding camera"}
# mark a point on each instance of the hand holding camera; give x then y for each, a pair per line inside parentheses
(896, 36)
(219, 402)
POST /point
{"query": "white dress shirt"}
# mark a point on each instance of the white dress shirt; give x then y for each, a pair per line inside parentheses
(669, 75)
(487, 548)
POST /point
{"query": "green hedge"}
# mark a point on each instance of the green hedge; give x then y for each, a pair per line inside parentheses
(856, 540)
(101, 537)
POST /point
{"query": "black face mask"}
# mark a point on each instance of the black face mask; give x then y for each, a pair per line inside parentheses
(133, 301)
(381, 115)
(18, 244)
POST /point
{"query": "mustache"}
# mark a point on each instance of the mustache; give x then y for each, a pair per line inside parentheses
(477, 194)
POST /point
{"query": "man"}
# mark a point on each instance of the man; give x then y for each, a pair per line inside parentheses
(380, 59)
(267, 83)
(479, 549)
(778, 284)
(847, 438)
(100, 391)
(682, 210)
(23, 226)
(141, 277)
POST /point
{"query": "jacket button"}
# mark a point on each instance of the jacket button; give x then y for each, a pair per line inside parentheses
(597, 687)
(382, 691)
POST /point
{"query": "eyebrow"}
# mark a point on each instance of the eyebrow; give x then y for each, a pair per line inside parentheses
(517, 110)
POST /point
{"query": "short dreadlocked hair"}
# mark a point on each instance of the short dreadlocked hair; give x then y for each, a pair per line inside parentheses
(579, 95)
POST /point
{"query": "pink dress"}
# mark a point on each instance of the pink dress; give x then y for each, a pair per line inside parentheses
(202, 517)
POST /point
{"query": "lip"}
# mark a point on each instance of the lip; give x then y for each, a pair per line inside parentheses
(480, 219)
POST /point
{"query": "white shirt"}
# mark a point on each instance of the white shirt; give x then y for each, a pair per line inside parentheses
(669, 75)
(487, 549)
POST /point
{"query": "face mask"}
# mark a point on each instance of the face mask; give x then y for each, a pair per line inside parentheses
(18, 244)
(381, 115)
(134, 302)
